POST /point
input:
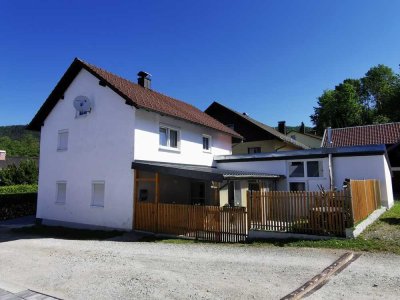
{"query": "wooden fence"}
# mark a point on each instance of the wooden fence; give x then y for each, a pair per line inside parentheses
(365, 195)
(321, 213)
(211, 223)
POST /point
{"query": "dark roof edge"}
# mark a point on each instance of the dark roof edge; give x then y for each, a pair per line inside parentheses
(304, 154)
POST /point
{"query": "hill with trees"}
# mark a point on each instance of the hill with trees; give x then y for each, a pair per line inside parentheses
(18, 141)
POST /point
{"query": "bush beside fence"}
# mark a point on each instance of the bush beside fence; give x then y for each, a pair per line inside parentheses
(18, 189)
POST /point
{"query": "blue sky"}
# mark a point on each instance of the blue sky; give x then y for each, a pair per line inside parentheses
(271, 59)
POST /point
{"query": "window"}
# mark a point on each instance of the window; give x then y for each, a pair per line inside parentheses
(296, 169)
(61, 195)
(62, 143)
(314, 169)
(98, 193)
(297, 186)
(252, 150)
(169, 137)
(206, 143)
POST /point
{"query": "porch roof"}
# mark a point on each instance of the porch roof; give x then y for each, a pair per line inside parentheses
(199, 172)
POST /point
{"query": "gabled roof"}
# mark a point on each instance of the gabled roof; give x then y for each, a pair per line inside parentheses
(388, 133)
(133, 94)
(263, 126)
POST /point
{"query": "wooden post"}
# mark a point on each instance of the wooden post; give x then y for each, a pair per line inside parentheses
(135, 197)
(157, 200)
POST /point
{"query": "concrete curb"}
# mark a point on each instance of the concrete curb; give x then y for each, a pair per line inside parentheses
(356, 231)
(320, 278)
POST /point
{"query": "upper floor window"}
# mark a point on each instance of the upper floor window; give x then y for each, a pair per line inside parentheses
(169, 137)
(62, 143)
(252, 150)
(206, 143)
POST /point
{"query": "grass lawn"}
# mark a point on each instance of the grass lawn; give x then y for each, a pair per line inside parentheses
(67, 233)
(383, 235)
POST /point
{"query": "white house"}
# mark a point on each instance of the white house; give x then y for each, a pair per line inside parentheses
(106, 140)
(308, 170)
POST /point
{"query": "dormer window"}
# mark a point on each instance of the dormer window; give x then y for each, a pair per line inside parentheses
(169, 137)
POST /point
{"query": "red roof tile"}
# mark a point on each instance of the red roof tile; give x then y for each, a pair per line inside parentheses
(364, 135)
(135, 95)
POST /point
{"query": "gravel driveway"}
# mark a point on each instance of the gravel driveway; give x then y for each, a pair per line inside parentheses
(72, 269)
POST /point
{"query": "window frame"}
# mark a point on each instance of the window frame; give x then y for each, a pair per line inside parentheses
(258, 148)
(59, 134)
(168, 146)
(206, 136)
(92, 203)
(57, 192)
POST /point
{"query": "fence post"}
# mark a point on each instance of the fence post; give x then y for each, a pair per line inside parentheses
(349, 204)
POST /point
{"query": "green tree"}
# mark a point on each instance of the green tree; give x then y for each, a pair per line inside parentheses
(26, 173)
(340, 107)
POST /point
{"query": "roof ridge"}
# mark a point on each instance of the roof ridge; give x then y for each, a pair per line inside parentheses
(367, 125)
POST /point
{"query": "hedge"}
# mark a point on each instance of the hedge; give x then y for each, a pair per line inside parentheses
(18, 189)
(17, 205)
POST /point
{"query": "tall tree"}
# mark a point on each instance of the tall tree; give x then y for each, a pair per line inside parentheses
(340, 107)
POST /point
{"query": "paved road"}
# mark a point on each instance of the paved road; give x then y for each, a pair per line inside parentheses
(126, 270)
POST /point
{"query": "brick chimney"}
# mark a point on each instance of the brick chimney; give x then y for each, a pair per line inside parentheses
(282, 127)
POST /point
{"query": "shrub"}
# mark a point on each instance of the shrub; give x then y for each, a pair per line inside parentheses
(17, 205)
(26, 173)
(19, 189)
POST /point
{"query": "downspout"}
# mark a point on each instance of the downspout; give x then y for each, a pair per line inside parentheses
(330, 165)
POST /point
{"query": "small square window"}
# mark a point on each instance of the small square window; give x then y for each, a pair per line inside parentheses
(252, 150)
(296, 169)
(314, 169)
(206, 143)
(62, 143)
(61, 192)
(98, 193)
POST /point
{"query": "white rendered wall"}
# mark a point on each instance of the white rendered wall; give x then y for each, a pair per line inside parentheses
(191, 141)
(365, 167)
(100, 148)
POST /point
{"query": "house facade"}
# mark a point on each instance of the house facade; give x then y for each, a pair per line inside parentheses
(309, 170)
(375, 134)
(107, 142)
(257, 137)
(311, 140)
(86, 174)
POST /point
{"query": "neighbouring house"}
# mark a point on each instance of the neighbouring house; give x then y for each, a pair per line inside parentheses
(387, 134)
(6, 161)
(308, 170)
(108, 143)
(257, 137)
(310, 140)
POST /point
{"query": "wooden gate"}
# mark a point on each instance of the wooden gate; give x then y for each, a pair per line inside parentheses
(213, 223)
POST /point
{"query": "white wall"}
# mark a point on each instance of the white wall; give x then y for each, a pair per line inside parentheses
(100, 147)
(191, 145)
(354, 167)
(365, 167)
